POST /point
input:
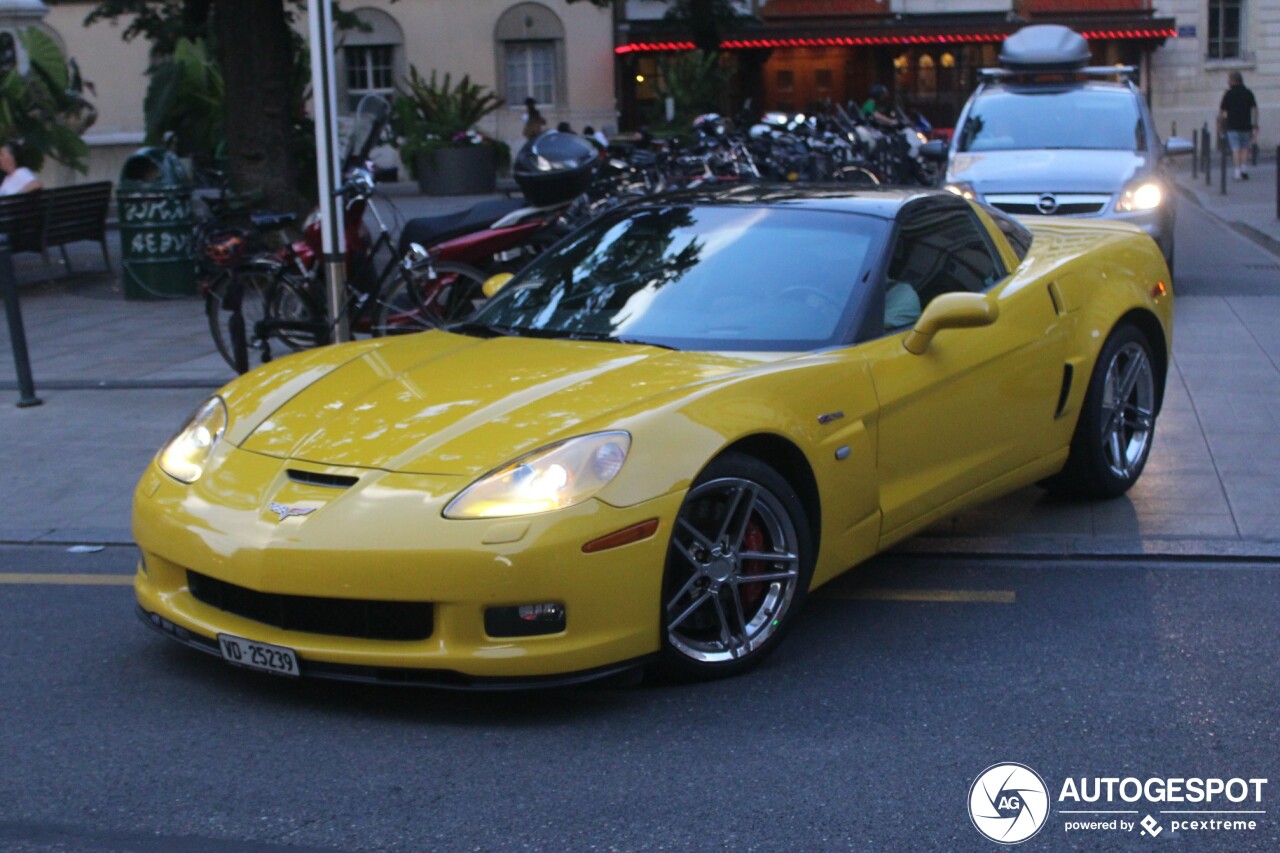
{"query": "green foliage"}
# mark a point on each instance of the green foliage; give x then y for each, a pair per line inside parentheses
(43, 108)
(186, 97)
(696, 81)
(430, 114)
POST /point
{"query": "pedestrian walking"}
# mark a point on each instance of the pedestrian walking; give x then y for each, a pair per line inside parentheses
(17, 178)
(534, 123)
(1238, 116)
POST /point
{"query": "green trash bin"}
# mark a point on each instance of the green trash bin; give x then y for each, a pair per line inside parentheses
(154, 199)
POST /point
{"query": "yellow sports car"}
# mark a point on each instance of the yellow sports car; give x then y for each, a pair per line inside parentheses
(654, 441)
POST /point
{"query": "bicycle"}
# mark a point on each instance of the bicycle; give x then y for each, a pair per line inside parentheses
(280, 297)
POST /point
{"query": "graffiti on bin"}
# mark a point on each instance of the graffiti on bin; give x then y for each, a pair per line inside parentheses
(159, 243)
(154, 209)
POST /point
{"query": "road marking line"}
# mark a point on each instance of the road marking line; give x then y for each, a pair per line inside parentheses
(65, 579)
(967, 596)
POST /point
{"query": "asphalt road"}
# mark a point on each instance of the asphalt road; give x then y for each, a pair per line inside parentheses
(864, 732)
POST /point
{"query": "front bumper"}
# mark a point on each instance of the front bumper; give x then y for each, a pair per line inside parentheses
(384, 540)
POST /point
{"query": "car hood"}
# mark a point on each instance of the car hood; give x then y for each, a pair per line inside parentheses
(439, 403)
(1040, 171)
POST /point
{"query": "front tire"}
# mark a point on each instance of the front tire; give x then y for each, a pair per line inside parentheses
(1113, 437)
(738, 570)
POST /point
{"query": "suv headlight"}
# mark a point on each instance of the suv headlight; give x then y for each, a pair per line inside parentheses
(186, 454)
(962, 189)
(1146, 194)
(554, 477)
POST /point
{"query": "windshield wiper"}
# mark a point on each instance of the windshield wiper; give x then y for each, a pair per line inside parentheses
(613, 339)
(470, 327)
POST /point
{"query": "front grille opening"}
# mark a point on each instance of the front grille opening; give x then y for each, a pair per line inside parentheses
(340, 617)
(312, 478)
(1067, 209)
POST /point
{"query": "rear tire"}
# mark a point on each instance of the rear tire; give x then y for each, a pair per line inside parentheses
(255, 283)
(417, 302)
(1113, 436)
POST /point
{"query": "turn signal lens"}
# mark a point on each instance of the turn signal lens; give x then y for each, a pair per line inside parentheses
(625, 536)
(1160, 289)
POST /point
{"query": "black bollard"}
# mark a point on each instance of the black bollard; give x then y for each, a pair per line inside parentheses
(1278, 182)
(1195, 155)
(1206, 152)
(1226, 155)
(17, 335)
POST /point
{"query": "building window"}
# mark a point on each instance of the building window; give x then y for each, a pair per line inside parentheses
(1225, 28)
(531, 71)
(529, 38)
(370, 71)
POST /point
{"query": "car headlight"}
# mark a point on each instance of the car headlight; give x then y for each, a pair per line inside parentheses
(554, 477)
(962, 189)
(186, 454)
(1141, 195)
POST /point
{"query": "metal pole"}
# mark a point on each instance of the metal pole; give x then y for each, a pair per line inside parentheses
(1207, 152)
(1226, 155)
(17, 335)
(1278, 182)
(1195, 155)
(325, 100)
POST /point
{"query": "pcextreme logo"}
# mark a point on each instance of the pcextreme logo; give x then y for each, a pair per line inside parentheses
(1008, 803)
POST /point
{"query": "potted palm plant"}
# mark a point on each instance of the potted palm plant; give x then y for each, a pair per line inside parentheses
(434, 122)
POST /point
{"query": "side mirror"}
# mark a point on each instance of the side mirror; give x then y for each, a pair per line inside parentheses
(935, 150)
(1176, 145)
(951, 311)
(494, 283)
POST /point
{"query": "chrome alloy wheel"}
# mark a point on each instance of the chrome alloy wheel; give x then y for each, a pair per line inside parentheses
(1128, 408)
(733, 570)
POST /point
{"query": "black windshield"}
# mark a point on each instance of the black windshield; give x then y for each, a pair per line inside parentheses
(708, 278)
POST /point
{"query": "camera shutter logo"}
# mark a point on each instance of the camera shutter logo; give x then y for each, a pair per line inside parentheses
(1008, 803)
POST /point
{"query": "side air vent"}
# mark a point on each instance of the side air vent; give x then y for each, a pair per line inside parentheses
(311, 478)
(1068, 373)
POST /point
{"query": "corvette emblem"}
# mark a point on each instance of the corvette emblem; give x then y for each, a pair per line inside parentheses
(286, 511)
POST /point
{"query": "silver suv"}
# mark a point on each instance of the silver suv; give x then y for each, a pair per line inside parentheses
(1047, 135)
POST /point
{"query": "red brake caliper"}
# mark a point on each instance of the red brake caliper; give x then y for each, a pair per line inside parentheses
(753, 593)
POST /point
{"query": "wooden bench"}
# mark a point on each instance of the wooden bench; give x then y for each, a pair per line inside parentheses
(36, 221)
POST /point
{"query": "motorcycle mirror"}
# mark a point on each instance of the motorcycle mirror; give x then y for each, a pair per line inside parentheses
(416, 256)
(494, 283)
(934, 149)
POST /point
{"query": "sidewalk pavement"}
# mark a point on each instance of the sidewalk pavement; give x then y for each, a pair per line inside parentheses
(1250, 206)
(118, 378)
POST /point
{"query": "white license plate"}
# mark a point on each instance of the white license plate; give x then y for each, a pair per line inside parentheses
(255, 655)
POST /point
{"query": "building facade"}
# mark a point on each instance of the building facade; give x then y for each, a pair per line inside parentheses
(794, 54)
(559, 52)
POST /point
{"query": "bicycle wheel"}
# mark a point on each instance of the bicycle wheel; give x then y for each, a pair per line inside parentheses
(416, 301)
(293, 316)
(255, 282)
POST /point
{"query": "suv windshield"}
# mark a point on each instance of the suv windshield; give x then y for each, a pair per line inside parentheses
(1009, 119)
(687, 277)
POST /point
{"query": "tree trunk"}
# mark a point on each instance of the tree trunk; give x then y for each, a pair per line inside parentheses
(254, 50)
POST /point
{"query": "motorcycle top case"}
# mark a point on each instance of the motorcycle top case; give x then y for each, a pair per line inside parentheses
(555, 167)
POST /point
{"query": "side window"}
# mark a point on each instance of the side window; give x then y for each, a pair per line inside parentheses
(1014, 231)
(939, 248)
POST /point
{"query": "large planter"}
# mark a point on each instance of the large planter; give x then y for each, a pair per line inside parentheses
(470, 170)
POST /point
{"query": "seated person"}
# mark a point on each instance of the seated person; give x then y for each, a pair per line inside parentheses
(901, 305)
(17, 179)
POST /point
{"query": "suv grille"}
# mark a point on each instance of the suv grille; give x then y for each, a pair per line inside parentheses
(342, 617)
(1067, 204)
